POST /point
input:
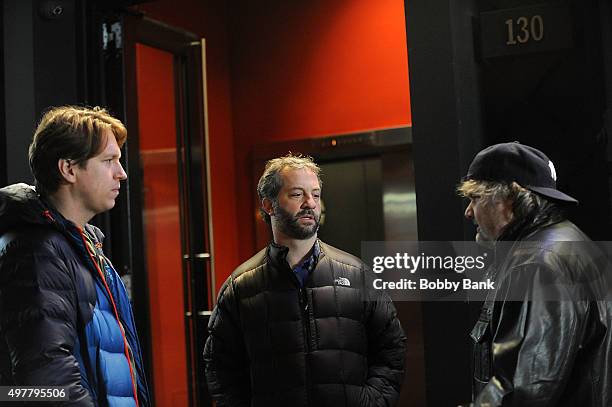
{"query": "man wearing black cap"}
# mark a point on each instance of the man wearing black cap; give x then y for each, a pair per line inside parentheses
(542, 338)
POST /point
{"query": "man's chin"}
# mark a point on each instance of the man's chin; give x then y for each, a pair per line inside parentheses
(107, 207)
(484, 240)
(305, 233)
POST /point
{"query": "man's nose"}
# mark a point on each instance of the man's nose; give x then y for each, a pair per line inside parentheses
(309, 202)
(121, 174)
(469, 211)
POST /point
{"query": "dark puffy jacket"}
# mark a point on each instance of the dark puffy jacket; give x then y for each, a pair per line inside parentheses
(555, 352)
(57, 319)
(333, 342)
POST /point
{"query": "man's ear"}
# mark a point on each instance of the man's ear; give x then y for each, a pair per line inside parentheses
(66, 170)
(267, 206)
(506, 210)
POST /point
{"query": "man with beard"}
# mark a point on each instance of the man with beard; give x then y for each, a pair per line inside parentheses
(543, 337)
(296, 325)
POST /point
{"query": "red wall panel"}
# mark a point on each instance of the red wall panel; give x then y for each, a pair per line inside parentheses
(161, 219)
(298, 69)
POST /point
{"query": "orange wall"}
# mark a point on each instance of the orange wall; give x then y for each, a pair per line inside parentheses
(312, 68)
(298, 69)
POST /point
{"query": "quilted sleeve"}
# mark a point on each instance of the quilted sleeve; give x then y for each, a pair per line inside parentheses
(38, 311)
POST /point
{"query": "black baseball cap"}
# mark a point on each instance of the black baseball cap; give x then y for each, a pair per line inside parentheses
(529, 167)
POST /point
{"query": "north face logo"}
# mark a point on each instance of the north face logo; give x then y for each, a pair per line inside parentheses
(342, 281)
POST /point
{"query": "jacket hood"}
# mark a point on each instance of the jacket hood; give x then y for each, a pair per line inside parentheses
(19, 204)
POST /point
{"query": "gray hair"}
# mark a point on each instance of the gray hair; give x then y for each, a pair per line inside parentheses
(529, 208)
(271, 182)
(489, 191)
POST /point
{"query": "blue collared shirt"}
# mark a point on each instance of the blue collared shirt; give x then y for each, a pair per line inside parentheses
(307, 266)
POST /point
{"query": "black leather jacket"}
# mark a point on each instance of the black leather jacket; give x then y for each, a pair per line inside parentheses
(331, 343)
(554, 352)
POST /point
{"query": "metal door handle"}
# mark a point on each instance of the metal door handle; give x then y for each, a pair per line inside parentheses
(197, 256)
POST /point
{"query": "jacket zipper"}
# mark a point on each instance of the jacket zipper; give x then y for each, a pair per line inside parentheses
(304, 312)
(112, 301)
(305, 318)
(307, 334)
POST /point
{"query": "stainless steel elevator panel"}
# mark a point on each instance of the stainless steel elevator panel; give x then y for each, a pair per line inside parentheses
(399, 196)
(352, 203)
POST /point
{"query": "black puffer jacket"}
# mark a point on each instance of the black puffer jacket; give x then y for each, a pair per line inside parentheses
(332, 343)
(553, 347)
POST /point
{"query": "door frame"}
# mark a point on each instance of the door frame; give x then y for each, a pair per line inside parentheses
(192, 157)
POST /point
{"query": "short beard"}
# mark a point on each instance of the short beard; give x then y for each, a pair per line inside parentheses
(289, 224)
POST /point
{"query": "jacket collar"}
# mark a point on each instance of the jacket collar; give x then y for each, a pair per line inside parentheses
(277, 254)
(20, 204)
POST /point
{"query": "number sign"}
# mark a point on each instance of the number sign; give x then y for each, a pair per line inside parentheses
(525, 30)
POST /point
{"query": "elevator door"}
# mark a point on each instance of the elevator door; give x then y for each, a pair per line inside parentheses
(352, 199)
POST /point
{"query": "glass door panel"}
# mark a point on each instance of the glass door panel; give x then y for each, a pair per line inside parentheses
(157, 121)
